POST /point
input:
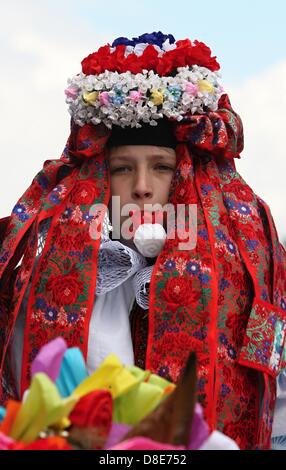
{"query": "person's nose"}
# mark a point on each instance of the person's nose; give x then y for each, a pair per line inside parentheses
(142, 187)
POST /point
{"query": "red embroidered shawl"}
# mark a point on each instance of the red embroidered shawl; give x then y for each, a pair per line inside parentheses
(225, 299)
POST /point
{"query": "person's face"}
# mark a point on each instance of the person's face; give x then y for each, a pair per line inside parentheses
(141, 174)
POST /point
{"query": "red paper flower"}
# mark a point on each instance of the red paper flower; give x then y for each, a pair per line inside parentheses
(94, 410)
(94, 63)
(200, 55)
(185, 54)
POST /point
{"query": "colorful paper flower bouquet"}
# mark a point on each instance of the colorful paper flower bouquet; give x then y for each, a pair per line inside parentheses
(117, 407)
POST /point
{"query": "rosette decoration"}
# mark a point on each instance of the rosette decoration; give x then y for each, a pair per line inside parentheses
(144, 79)
(148, 232)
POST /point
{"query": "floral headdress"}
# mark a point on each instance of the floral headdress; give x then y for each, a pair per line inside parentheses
(143, 80)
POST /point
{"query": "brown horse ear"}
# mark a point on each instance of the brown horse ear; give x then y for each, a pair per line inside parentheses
(171, 421)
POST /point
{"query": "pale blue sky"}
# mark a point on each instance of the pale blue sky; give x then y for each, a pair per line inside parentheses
(246, 35)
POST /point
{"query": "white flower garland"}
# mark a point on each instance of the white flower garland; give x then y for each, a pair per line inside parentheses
(126, 99)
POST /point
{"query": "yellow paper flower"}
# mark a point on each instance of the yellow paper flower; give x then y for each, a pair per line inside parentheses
(42, 408)
(111, 375)
(157, 97)
(131, 407)
(90, 97)
(205, 86)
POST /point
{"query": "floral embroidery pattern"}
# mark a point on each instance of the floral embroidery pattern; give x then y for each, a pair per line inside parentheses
(200, 300)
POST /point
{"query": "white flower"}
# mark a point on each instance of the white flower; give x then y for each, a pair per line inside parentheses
(123, 111)
(167, 46)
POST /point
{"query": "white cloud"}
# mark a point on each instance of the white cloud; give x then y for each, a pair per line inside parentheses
(261, 103)
(41, 46)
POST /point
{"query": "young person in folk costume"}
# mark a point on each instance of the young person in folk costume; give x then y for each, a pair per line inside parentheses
(225, 298)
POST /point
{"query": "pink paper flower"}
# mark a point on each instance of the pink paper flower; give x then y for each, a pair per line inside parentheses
(191, 88)
(135, 96)
(5, 442)
(144, 443)
(72, 92)
(104, 98)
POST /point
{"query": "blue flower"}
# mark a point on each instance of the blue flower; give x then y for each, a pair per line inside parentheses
(156, 38)
(72, 317)
(201, 334)
(4, 258)
(264, 359)
(220, 234)
(43, 181)
(41, 303)
(19, 209)
(229, 203)
(224, 390)
(272, 320)
(175, 91)
(57, 189)
(223, 284)
(33, 354)
(178, 173)
(51, 314)
(283, 304)
(264, 295)
(164, 371)
(23, 217)
(223, 339)
(117, 100)
(170, 264)
(206, 188)
(67, 213)
(204, 278)
(86, 254)
(19, 284)
(193, 267)
(203, 234)
(86, 216)
(201, 384)
(252, 244)
(230, 246)
(231, 352)
(123, 41)
(85, 144)
(75, 253)
(54, 198)
(173, 330)
(243, 209)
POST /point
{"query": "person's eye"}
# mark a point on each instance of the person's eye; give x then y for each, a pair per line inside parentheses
(164, 168)
(120, 170)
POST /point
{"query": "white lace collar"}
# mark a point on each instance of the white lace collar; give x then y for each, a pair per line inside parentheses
(117, 263)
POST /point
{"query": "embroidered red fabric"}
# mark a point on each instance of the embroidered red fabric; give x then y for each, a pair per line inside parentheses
(225, 298)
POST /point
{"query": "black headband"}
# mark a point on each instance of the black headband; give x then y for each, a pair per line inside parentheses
(161, 135)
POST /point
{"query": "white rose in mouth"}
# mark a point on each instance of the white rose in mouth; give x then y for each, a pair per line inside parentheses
(149, 239)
